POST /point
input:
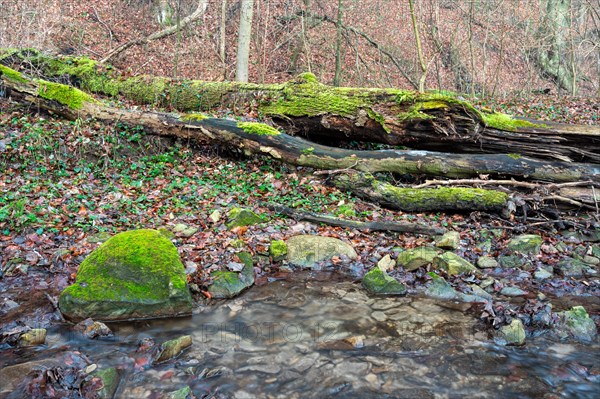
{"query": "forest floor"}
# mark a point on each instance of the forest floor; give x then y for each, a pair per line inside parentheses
(65, 185)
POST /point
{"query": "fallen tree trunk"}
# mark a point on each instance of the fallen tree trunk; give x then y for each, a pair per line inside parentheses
(256, 138)
(304, 107)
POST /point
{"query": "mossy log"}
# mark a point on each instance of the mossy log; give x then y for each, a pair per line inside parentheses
(435, 121)
(257, 138)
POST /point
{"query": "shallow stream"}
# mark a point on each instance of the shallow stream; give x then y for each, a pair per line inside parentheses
(317, 339)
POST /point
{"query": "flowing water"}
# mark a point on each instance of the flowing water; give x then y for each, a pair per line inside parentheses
(316, 339)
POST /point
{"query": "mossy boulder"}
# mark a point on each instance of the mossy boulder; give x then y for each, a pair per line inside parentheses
(228, 284)
(525, 244)
(134, 275)
(307, 250)
(278, 250)
(238, 217)
(450, 240)
(377, 282)
(439, 288)
(576, 324)
(414, 258)
(512, 261)
(575, 268)
(453, 264)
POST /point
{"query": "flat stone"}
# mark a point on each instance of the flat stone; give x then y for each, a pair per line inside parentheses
(512, 291)
(576, 268)
(134, 275)
(450, 240)
(525, 244)
(439, 288)
(487, 262)
(307, 250)
(453, 264)
(417, 257)
(379, 316)
(185, 230)
(542, 274)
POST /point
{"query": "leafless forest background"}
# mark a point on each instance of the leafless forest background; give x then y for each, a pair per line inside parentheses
(485, 48)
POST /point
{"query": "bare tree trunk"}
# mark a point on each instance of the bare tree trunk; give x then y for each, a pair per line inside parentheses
(244, 36)
(222, 39)
(422, 63)
(338, 45)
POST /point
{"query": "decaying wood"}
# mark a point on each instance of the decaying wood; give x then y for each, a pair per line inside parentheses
(398, 227)
(307, 108)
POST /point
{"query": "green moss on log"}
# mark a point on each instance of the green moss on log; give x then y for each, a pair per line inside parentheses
(66, 95)
(505, 122)
(11, 74)
(193, 117)
(260, 129)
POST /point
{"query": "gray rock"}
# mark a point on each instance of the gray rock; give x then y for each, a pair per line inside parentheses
(576, 268)
(591, 260)
(453, 264)
(525, 244)
(512, 291)
(307, 250)
(184, 230)
(134, 275)
(511, 261)
(542, 274)
(414, 258)
(441, 289)
(487, 262)
(227, 284)
(450, 240)
(92, 329)
(576, 324)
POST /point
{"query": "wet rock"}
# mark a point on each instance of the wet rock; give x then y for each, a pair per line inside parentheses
(306, 250)
(591, 260)
(230, 284)
(109, 381)
(173, 348)
(379, 283)
(92, 329)
(542, 274)
(512, 291)
(238, 217)
(480, 292)
(270, 368)
(278, 250)
(135, 274)
(303, 363)
(417, 257)
(525, 244)
(11, 376)
(513, 333)
(33, 337)
(576, 268)
(450, 240)
(183, 393)
(386, 263)
(576, 324)
(184, 230)
(379, 316)
(487, 262)
(439, 288)
(511, 261)
(453, 264)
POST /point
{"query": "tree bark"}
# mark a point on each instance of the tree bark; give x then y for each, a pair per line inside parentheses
(243, 51)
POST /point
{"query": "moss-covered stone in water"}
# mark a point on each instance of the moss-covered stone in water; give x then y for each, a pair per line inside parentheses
(110, 382)
(513, 333)
(66, 95)
(230, 284)
(260, 129)
(173, 348)
(135, 274)
(11, 74)
(242, 217)
(577, 324)
(377, 282)
(278, 250)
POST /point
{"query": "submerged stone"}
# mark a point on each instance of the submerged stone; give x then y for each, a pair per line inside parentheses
(453, 264)
(525, 244)
(439, 288)
(134, 275)
(379, 283)
(238, 217)
(414, 258)
(576, 324)
(33, 337)
(173, 348)
(307, 250)
(183, 393)
(110, 382)
(230, 284)
(450, 240)
(513, 333)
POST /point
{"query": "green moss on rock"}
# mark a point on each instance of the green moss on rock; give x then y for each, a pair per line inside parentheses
(228, 284)
(278, 250)
(453, 264)
(525, 244)
(414, 258)
(377, 282)
(577, 324)
(242, 217)
(135, 274)
(260, 129)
